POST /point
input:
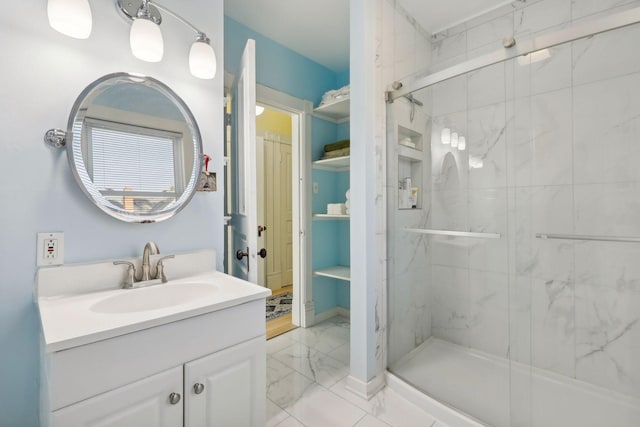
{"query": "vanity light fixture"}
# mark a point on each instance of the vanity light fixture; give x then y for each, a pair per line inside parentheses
(202, 58)
(73, 18)
(70, 17)
(445, 136)
(462, 143)
(454, 139)
(259, 110)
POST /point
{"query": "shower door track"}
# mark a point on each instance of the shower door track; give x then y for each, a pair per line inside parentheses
(523, 48)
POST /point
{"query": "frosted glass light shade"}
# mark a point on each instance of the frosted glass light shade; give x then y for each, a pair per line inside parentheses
(462, 143)
(445, 136)
(202, 60)
(454, 139)
(259, 110)
(70, 17)
(146, 40)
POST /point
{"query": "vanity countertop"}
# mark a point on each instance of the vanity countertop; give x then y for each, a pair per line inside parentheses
(74, 319)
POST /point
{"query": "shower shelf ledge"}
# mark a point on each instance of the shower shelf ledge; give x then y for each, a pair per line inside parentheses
(454, 233)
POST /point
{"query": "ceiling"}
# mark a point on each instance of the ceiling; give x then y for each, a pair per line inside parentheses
(319, 30)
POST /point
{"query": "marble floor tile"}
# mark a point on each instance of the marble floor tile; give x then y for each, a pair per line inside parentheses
(290, 422)
(278, 343)
(370, 421)
(319, 407)
(324, 338)
(315, 393)
(342, 353)
(275, 414)
(276, 370)
(312, 364)
(287, 390)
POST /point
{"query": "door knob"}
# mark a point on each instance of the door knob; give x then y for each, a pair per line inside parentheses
(240, 254)
(261, 228)
(198, 388)
(262, 253)
(174, 398)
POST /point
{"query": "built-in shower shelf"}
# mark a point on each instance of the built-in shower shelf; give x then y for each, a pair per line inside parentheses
(409, 153)
(338, 272)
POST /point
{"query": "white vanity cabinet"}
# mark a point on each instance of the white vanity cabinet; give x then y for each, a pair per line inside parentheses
(223, 389)
(121, 358)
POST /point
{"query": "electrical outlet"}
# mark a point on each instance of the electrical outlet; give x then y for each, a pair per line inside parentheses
(50, 250)
(315, 188)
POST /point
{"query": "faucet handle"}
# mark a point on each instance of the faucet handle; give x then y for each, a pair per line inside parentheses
(160, 268)
(131, 273)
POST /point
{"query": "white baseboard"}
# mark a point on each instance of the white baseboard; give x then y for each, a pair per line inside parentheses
(365, 390)
(438, 410)
(308, 316)
(326, 315)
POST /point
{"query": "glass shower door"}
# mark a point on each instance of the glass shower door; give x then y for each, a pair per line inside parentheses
(576, 219)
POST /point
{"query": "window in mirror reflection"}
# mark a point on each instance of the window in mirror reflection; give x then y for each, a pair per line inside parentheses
(135, 171)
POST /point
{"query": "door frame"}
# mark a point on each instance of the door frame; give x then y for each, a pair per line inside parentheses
(301, 114)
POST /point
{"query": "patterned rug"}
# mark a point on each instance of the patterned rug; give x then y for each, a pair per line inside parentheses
(279, 305)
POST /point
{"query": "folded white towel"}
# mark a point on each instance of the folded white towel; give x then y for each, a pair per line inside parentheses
(336, 209)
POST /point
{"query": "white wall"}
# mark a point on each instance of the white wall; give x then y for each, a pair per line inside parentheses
(42, 73)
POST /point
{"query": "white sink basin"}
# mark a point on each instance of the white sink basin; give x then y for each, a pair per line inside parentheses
(154, 297)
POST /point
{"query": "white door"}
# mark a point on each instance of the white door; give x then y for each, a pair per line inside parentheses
(227, 388)
(244, 215)
(145, 403)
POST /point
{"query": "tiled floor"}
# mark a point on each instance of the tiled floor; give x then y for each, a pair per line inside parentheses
(306, 374)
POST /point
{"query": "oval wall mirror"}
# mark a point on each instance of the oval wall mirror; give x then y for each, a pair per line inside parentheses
(134, 148)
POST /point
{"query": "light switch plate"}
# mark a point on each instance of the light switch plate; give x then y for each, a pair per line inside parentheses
(50, 249)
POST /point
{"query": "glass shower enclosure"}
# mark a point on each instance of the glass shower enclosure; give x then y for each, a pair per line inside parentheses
(514, 236)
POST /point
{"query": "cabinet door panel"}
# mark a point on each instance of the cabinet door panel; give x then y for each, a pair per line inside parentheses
(234, 387)
(144, 403)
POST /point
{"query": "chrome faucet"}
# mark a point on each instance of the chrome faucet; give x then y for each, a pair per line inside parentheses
(149, 248)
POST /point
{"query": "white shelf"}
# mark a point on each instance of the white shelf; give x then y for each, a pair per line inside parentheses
(327, 216)
(337, 272)
(409, 153)
(336, 164)
(336, 111)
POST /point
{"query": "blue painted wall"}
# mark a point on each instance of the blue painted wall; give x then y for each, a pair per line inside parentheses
(287, 71)
(277, 66)
(43, 72)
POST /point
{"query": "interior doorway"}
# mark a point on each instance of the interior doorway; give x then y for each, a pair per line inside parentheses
(283, 169)
(274, 130)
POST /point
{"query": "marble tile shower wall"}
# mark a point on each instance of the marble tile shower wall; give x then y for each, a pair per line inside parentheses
(558, 144)
(403, 48)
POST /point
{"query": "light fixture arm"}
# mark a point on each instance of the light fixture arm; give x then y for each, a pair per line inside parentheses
(150, 9)
(176, 16)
